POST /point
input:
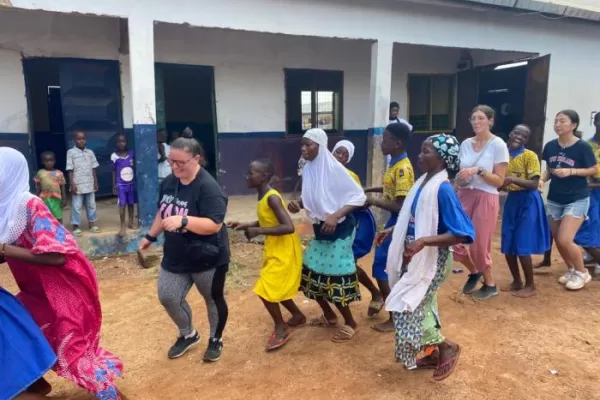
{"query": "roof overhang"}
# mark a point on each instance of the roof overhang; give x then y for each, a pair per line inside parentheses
(581, 9)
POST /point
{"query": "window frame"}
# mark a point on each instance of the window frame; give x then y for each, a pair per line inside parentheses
(313, 80)
(451, 101)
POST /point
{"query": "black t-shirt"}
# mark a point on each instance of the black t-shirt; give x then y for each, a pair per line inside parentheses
(570, 188)
(203, 197)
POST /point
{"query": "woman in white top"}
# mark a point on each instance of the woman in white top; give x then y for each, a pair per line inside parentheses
(483, 162)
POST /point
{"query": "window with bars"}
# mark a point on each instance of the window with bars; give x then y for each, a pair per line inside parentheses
(313, 100)
(431, 102)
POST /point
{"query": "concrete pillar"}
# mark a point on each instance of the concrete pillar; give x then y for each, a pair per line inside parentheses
(141, 65)
(381, 86)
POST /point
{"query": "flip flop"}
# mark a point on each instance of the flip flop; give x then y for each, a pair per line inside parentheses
(275, 342)
(345, 334)
(322, 322)
(375, 306)
(449, 366)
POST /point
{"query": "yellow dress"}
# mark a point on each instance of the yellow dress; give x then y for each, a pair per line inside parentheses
(282, 258)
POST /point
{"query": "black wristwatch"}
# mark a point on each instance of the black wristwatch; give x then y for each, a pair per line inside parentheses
(184, 222)
(149, 238)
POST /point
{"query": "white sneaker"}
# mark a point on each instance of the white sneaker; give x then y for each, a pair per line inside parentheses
(578, 280)
(566, 277)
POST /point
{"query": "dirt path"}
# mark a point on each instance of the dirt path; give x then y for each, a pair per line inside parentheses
(509, 345)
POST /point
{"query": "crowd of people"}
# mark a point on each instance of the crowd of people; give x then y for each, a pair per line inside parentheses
(449, 213)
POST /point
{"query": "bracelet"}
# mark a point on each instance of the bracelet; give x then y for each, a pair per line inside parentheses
(149, 238)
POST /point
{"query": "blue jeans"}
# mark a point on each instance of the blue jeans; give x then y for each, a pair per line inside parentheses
(577, 209)
(88, 200)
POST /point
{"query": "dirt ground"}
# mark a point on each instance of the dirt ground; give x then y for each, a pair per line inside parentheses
(545, 347)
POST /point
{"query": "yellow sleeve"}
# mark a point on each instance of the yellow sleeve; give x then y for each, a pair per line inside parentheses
(532, 165)
(404, 179)
(355, 177)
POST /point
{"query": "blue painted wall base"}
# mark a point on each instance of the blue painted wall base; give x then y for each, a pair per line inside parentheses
(146, 172)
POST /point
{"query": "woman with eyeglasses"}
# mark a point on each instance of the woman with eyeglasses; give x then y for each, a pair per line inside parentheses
(191, 211)
(570, 161)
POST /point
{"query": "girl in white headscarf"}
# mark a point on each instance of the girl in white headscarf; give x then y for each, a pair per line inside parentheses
(58, 284)
(366, 228)
(329, 196)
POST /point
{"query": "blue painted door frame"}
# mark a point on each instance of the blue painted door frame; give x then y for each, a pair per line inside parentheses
(91, 100)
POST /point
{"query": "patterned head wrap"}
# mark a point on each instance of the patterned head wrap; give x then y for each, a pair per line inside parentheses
(447, 147)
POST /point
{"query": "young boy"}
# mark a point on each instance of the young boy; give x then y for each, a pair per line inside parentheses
(397, 181)
(124, 181)
(50, 185)
(81, 167)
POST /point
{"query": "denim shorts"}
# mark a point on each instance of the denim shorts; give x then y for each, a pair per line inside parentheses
(577, 209)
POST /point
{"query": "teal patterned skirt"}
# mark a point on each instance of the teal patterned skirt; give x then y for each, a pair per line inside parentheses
(329, 271)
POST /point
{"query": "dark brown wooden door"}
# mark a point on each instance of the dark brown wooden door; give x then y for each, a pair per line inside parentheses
(536, 95)
(467, 95)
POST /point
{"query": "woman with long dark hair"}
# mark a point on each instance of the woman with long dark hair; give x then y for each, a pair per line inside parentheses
(569, 162)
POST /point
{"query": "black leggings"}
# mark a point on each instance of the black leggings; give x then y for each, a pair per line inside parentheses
(173, 289)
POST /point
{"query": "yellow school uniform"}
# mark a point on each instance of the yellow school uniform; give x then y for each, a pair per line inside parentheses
(596, 149)
(398, 178)
(282, 258)
(355, 177)
(526, 165)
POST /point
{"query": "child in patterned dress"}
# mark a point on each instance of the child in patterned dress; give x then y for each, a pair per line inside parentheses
(50, 185)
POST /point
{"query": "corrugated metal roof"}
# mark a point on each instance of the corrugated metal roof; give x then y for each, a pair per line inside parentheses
(582, 9)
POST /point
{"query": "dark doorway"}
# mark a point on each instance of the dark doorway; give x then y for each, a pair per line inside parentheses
(69, 94)
(185, 98)
(517, 91)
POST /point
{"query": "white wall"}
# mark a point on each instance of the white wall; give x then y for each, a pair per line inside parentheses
(249, 71)
(573, 44)
(13, 103)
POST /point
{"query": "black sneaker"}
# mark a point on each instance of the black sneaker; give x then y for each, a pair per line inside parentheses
(214, 350)
(486, 292)
(471, 284)
(182, 345)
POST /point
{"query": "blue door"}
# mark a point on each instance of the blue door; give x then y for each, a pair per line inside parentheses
(91, 100)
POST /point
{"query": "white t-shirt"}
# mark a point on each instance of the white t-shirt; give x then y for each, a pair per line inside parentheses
(164, 169)
(496, 152)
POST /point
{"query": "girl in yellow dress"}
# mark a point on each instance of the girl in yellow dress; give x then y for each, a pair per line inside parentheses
(282, 256)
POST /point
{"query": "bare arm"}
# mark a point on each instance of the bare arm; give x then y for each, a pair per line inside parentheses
(156, 228)
(391, 206)
(496, 177)
(25, 255)
(587, 172)
(531, 184)
(444, 240)
(285, 227)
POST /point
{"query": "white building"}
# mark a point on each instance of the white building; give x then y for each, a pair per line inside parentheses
(237, 72)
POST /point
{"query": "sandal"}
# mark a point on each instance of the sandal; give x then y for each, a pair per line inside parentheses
(445, 369)
(323, 322)
(95, 229)
(275, 342)
(345, 334)
(375, 306)
(77, 232)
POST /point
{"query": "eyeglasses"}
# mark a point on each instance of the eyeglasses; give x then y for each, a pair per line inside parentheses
(178, 163)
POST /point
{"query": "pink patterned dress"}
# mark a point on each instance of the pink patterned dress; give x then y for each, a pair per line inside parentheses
(64, 303)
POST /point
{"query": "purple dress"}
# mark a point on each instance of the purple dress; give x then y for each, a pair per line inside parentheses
(125, 178)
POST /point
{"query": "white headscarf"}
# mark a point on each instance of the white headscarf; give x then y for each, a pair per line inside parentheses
(326, 184)
(14, 194)
(348, 145)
